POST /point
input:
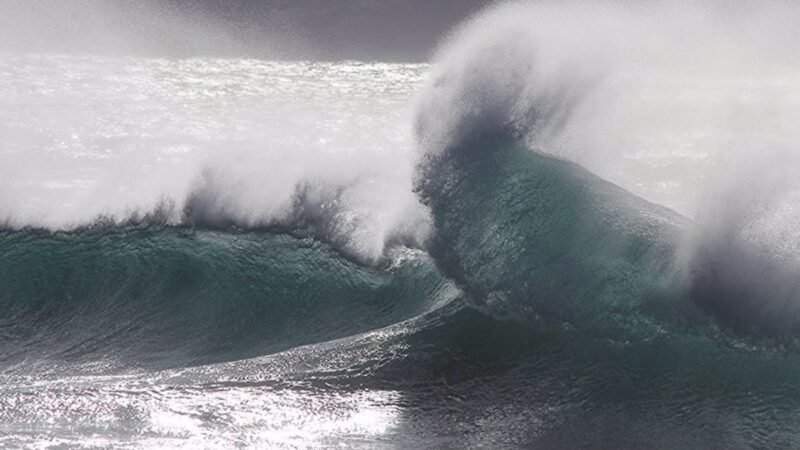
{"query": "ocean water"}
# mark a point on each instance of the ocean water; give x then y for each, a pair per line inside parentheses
(576, 228)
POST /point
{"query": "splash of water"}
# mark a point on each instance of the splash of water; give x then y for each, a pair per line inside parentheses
(689, 106)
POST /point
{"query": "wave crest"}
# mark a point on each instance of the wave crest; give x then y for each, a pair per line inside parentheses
(620, 90)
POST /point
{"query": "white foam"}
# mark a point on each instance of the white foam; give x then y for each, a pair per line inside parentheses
(237, 140)
(667, 99)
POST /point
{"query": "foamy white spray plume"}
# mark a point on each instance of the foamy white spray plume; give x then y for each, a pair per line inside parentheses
(673, 101)
(656, 97)
(228, 142)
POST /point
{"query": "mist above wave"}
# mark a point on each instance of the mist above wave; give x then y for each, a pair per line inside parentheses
(210, 142)
(686, 105)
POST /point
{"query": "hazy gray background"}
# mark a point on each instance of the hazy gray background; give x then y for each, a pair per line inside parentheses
(383, 30)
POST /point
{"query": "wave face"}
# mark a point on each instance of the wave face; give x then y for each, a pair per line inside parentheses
(547, 239)
(169, 297)
(583, 308)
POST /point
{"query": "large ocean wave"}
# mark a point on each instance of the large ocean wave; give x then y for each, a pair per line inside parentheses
(512, 282)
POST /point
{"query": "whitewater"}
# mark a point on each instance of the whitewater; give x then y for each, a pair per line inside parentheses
(575, 228)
